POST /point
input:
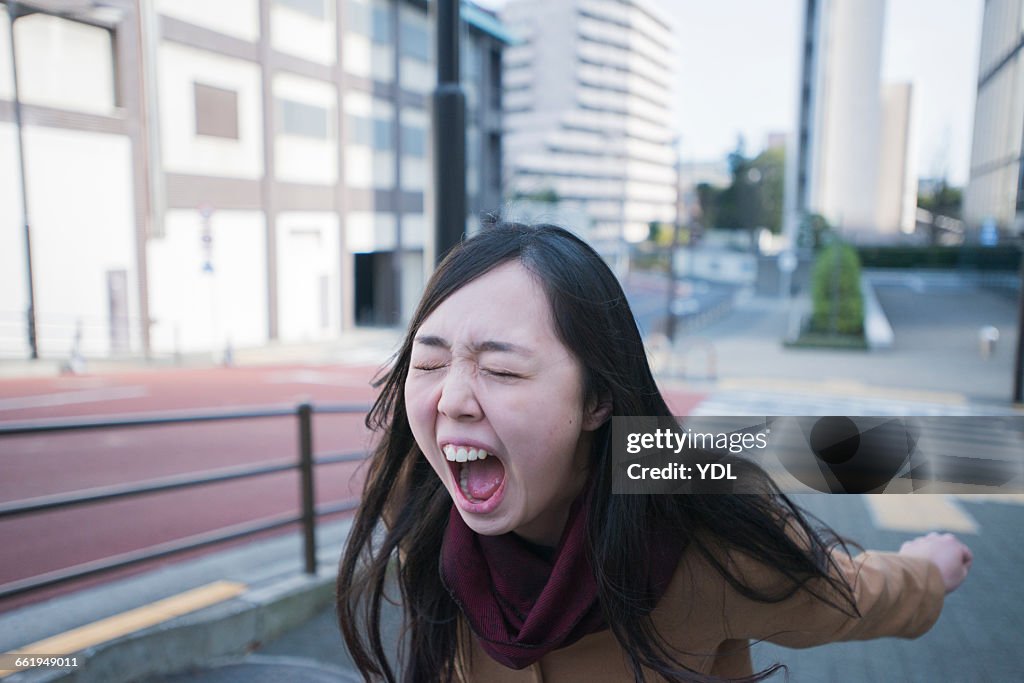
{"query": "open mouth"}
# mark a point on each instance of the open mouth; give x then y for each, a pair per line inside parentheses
(479, 474)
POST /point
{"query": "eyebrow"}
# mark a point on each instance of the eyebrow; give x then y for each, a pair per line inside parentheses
(489, 345)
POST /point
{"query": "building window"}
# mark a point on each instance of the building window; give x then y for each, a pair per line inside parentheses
(216, 111)
(415, 42)
(414, 141)
(370, 20)
(299, 118)
(314, 8)
(495, 78)
(374, 133)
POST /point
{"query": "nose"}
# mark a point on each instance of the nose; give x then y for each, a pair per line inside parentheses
(458, 399)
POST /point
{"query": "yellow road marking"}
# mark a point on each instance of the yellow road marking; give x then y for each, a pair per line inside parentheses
(124, 623)
(919, 513)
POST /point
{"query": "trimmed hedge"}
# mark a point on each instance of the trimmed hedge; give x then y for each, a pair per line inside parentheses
(1004, 257)
(835, 292)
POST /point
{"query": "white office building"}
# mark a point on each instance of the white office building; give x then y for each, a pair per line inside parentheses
(587, 112)
(202, 174)
(850, 159)
(995, 192)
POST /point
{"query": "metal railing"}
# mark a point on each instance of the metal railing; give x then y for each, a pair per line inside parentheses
(305, 465)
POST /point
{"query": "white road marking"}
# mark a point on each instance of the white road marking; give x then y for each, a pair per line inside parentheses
(71, 397)
(917, 513)
(316, 377)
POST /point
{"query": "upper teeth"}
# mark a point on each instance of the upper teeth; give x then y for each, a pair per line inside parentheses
(463, 454)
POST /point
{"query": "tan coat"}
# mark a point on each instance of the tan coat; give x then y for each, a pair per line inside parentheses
(704, 617)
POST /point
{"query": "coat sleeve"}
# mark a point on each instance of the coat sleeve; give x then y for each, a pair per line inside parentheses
(895, 595)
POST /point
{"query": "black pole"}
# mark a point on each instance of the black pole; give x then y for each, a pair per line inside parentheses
(30, 313)
(449, 133)
(1018, 364)
(308, 497)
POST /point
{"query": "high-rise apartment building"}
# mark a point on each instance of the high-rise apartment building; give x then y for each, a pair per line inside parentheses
(202, 174)
(995, 192)
(588, 121)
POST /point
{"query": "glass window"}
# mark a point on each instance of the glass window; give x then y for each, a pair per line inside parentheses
(414, 41)
(383, 138)
(216, 111)
(381, 25)
(314, 8)
(360, 130)
(414, 141)
(371, 20)
(357, 17)
(299, 118)
(374, 133)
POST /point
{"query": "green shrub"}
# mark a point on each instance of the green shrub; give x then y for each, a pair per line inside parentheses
(1000, 258)
(835, 291)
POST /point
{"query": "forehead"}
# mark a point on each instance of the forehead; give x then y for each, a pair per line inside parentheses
(506, 303)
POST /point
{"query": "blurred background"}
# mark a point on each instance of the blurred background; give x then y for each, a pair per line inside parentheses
(814, 207)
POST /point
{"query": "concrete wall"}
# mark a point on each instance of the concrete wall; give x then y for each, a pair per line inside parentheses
(197, 310)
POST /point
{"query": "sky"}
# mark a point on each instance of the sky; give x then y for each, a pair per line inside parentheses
(738, 68)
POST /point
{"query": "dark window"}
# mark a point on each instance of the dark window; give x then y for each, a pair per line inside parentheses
(216, 111)
(298, 118)
(495, 84)
(414, 141)
(314, 8)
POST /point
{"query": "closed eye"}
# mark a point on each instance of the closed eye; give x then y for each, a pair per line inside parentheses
(504, 374)
(428, 367)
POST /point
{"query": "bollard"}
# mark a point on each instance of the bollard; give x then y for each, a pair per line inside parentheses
(987, 338)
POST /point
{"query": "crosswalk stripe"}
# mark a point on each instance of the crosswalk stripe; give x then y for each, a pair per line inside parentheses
(919, 513)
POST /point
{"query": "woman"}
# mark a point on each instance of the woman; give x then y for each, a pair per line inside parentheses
(491, 485)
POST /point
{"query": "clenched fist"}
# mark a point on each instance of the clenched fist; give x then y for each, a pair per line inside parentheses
(951, 556)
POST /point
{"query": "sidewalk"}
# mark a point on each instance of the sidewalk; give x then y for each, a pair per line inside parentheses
(977, 639)
(186, 614)
(934, 356)
(362, 346)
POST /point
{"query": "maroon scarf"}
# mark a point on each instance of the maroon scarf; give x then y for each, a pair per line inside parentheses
(522, 606)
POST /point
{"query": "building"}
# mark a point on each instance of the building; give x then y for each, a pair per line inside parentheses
(897, 170)
(587, 112)
(995, 191)
(213, 175)
(849, 160)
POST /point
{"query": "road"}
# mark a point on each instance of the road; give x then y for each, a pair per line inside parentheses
(34, 465)
(647, 292)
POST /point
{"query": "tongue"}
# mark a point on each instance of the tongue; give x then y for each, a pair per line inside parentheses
(484, 476)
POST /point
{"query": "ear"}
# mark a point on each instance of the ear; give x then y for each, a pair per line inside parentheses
(596, 412)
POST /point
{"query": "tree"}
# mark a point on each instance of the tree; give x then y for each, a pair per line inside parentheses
(944, 200)
(754, 198)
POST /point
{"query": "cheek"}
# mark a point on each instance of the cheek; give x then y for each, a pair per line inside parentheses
(421, 411)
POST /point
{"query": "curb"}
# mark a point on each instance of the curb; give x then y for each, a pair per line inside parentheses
(877, 330)
(204, 638)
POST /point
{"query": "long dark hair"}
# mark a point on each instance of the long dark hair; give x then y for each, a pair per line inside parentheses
(405, 506)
